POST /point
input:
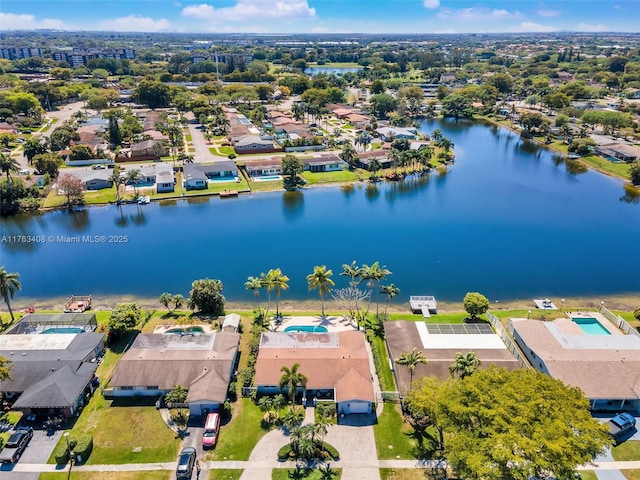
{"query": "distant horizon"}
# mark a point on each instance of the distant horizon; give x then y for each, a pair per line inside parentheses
(315, 17)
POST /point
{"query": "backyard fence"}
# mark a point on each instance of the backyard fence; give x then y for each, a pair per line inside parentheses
(248, 391)
(508, 341)
(619, 321)
(390, 397)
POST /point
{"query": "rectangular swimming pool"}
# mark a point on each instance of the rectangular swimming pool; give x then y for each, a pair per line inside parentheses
(306, 328)
(590, 326)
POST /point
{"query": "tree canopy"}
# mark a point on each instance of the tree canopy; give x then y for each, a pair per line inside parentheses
(206, 296)
(475, 304)
(124, 317)
(500, 425)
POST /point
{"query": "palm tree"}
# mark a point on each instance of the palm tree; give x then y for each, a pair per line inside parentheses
(464, 365)
(374, 274)
(374, 167)
(278, 282)
(436, 135)
(349, 155)
(321, 428)
(117, 180)
(8, 164)
(255, 284)
(446, 145)
(133, 178)
(321, 279)
(394, 156)
(411, 360)
(291, 379)
(165, 300)
(353, 271)
(9, 285)
(390, 291)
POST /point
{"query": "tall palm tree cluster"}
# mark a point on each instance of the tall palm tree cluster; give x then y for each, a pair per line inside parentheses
(320, 279)
(9, 285)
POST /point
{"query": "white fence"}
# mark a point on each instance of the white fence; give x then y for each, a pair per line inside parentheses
(508, 341)
(619, 321)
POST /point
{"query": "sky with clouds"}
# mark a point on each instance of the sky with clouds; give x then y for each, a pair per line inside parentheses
(323, 16)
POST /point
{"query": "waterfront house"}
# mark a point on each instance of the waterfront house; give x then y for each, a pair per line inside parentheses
(365, 159)
(336, 364)
(165, 181)
(585, 351)
(260, 168)
(252, 144)
(222, 170)
(157, 362)
(54, 359)
(619, 152)
(324, 163)
(94, 179)
(193, 178)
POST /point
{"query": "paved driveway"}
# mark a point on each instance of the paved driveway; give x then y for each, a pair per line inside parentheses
(39, 450)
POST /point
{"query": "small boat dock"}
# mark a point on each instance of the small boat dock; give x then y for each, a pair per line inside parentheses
(425, 304)
(77, 304)
(229, 193)
(545, 304)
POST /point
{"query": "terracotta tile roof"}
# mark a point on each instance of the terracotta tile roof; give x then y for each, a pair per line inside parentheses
(330, 360)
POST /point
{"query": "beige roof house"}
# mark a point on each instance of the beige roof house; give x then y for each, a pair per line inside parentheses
(604, 366)
(156, 363)
(335, 361)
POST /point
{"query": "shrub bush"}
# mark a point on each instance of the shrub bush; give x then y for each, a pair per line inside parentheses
(329, 451)
(81, 444)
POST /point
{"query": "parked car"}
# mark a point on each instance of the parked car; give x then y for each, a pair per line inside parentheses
(211, 430)
(16, 444)
(186, 461)
(621, 424)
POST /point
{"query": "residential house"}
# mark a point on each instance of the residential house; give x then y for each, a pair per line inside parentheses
(165, 182)
(324, 163)
(622, 152)
(388, 134)
(365, 159)
(253, 144)
(358, 121)
(8, 128)
(336, 365)
(268, 166)
(53, 375)
(95, 179)
(148, 149)
(157, 362)
(605, 366)
(439, 344)
(193, 178)
(225, 169)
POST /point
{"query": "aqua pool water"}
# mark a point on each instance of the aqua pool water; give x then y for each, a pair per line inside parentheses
(306, 328)
(63, 330)
(591, 326)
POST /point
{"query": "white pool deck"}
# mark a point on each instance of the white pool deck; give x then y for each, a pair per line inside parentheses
(331, 322)
(467, 341)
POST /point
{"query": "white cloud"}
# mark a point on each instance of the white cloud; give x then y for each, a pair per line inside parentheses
(587, 27)
(532, 27)
(135, 23)
(431, 4)
(12, 21)
(478, 14)
(547, 12)
(251, 10)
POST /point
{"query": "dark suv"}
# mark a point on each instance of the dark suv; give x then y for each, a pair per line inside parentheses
(16, 444)
(186, 461)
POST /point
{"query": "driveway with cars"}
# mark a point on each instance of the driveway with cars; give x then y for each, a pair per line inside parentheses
(39, 450)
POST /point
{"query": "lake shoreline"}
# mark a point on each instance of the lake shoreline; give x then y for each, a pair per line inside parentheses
(624, 302)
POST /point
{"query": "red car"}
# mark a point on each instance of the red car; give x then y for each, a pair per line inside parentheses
(211, 429)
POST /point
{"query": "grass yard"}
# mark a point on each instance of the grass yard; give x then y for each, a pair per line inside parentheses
(402, 474)
(224, 474)
(628, 474)
(591, 475)
(144, 475)
(393, 437)
(240, 435)
(626, 451)
(385, 376)
(307, 473)
(314, 178)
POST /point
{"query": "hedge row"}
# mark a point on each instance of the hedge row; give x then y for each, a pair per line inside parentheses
(286, 453)
(81, 444)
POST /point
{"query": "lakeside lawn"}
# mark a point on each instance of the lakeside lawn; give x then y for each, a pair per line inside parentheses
(393, 437)
(342, 176)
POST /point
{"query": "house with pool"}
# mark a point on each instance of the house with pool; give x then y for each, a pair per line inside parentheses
(157, 362)
(336, 364)
(54, 357)
(587, 351)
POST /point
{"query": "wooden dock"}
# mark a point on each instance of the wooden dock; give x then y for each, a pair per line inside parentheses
(229, 193)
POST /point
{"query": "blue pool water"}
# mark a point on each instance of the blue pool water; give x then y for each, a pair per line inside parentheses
(306, 328)
(63, 330)
(591, 326)
(222, 179)
(267, 178)
(183, 331)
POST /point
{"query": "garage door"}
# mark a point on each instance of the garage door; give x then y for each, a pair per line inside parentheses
(358, 407)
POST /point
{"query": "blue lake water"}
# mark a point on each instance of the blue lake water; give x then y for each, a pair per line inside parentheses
(508, 220)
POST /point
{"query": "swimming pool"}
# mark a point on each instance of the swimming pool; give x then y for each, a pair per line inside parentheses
(63, 330)
(185, 331)
(222, 179)
(306, 328)
(590, 326)
(267, 178)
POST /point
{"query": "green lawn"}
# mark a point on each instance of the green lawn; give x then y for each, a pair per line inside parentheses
(590, 475)
(626, 451)
(454, 317)
(224, 474)
(402, 474)
(308, 473)
(628, 474)
(393, 437)
(314, 178)
(144, 475)
(240, 435)
(385, 376)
